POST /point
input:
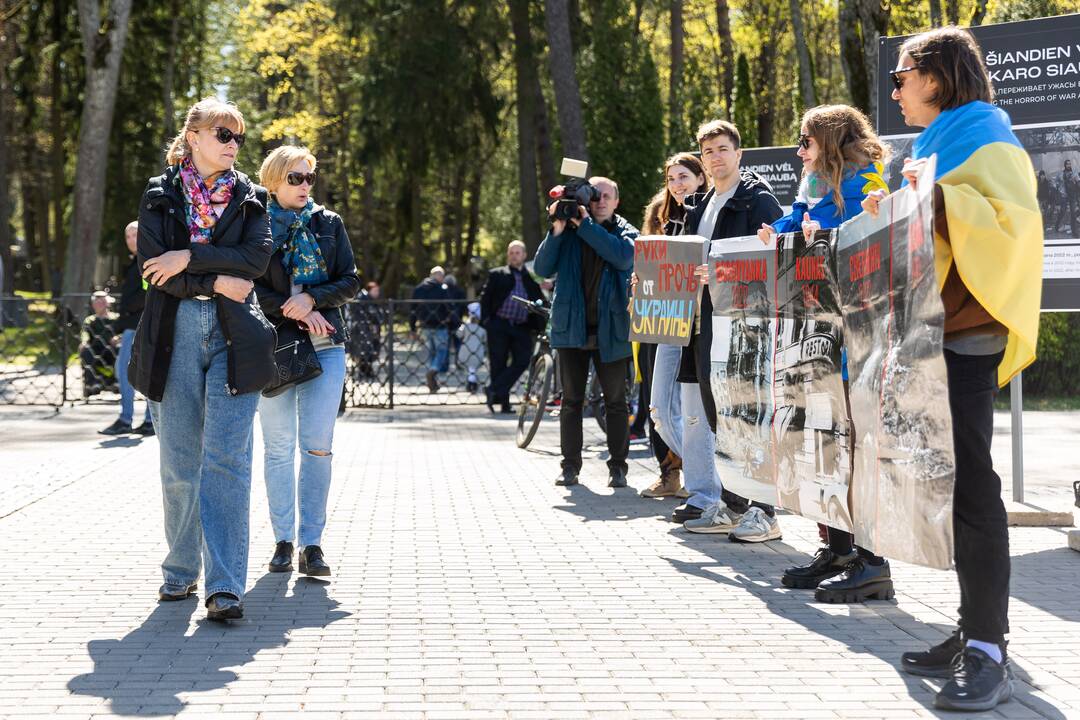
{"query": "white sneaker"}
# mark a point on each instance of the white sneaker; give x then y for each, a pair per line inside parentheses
(718, 518)
(756, 527)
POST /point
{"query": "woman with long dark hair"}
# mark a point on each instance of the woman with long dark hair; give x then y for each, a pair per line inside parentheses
(988, 247)
(203, 350)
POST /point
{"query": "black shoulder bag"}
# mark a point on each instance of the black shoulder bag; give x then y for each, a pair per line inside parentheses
(294, 357)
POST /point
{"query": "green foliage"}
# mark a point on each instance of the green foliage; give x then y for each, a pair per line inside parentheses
(745, 114)
(1056, 371)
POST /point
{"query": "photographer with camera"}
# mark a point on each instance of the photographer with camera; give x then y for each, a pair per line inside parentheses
(592, 251)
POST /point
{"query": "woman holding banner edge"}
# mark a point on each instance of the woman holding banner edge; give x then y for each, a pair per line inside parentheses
(843, 161)
(988, 238)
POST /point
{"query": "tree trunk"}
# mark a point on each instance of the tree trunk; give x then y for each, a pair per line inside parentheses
(564, 77)
(806, 74)
(852, 58)
(56, 155)
(935, 13)
(527, 81)
(7, 107)
(103, 47)
(978, 14)
(475, 188)
(545, 153)
(675, 114)
(766, 92)
(952, 11)
(168, 81)
(874, 19)
(367, 221)
(727, 57)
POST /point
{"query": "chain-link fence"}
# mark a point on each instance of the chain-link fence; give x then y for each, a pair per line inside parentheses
(401, 353)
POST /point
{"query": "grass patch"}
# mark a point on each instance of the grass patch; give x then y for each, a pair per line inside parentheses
(1039, 403)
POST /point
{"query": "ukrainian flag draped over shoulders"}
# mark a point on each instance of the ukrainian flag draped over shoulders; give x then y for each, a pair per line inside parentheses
(995, 225)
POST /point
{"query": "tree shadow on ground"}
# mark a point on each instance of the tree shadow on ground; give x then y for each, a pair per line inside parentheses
(622, 504)
(876, 628)
(144, 672)
(1052, 581)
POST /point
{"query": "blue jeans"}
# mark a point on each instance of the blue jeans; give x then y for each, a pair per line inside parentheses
(205, 436)
(313, 407)
(127, 392)
(438, 347)
(679, 416)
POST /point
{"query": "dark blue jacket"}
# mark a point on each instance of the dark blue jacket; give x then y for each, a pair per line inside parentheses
(560, 254)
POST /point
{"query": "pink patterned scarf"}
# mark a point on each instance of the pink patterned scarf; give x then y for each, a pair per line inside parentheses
(204, 203)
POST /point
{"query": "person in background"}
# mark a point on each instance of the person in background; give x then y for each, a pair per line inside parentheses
(310, 277)
(458, 313)
(509, 324)
(843, 161)
(433, 317)
(473, 341)
(97, 352)
(132, 299)
(365, 339)
(988, 254)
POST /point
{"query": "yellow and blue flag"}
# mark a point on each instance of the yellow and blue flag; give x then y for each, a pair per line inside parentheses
(995, 225)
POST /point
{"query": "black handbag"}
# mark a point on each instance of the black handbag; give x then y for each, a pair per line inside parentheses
(295, 359)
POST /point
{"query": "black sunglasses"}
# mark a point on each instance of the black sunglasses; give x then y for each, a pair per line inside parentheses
(804, 142)
(898, 81)
(225, 136)
(298, 178)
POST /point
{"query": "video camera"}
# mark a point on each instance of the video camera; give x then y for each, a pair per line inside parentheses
(576, 192)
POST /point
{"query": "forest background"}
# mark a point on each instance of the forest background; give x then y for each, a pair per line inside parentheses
(438, 124)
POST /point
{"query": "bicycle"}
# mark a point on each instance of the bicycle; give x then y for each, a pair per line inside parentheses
(539, 382)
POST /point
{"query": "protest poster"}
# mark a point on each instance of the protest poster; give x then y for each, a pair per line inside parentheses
(781, 167)
(665, 301)
(1034, 66)
(902, 487)
(782, 423)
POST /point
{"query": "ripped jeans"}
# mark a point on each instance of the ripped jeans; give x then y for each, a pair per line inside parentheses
(306, 411)
(679, 416)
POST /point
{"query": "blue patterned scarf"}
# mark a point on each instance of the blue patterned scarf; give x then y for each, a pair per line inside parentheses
(302, 258)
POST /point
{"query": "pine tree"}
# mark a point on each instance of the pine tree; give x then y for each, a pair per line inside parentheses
(745, 116)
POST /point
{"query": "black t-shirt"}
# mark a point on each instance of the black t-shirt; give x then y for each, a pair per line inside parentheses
(592, 268)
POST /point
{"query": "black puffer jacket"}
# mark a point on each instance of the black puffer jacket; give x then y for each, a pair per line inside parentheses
(240, 247)
(275, 286)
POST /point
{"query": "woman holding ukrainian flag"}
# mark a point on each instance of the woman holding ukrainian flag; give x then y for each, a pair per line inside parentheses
(988, 248)
(843, 160)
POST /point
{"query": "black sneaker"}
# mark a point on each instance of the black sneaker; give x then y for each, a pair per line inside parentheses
(171, 593)
(117, 428)
(224, 606)
(686, 512)
(826, 564)
(312, 563)
(978, 683)
(617, 478)
(857, 582)
(146, 429)
(567, 478)
(432, 381)
(936, 662)
(282, 560)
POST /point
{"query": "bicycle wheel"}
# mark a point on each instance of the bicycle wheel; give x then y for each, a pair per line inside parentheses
(534, 400)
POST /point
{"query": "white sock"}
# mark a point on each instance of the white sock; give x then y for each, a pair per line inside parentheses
(991, 649)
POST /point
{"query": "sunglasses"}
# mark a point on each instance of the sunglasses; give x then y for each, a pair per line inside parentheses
(804, 142)
(297, 178)
(225, 136)
(898, 81)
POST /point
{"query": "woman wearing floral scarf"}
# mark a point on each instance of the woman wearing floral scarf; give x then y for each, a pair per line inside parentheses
(311, 275)
(203, 351)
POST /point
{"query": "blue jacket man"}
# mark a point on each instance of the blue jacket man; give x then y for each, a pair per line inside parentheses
(592, 255)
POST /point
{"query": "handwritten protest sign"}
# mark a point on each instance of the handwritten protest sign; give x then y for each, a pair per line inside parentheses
(666, 299)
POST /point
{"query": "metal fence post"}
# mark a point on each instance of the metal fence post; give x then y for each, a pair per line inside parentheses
(62, 310)
(1016, 403)
(390, 351)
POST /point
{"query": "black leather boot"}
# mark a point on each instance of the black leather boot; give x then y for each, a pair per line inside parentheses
(312, 563)
(282, 560)
(859, 581)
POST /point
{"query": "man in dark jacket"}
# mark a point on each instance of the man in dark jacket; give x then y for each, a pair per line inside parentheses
(739, 203)
(593, 255)
(434, 318)
(132, 299)
(508, 324)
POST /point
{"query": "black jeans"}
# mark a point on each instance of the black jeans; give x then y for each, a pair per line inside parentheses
(980, 524)
(506, 341)
(574, 372)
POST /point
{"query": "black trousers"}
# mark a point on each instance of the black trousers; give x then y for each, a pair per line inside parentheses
(646, 360)
(506, 341)
(980, 523)
(574, 373)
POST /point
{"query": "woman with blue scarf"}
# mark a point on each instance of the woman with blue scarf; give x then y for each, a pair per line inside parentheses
(988, 247)
(311, 275)
(843, 160)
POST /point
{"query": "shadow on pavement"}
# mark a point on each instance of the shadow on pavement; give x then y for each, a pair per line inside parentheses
(144, 672)
(860, 630)
(622, 504)
(1051, 580)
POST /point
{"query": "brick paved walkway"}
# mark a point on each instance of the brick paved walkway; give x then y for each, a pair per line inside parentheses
(466, 586)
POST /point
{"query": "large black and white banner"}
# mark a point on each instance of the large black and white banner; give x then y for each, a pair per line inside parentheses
(1035, 69)
(781, 167)
(784, 436)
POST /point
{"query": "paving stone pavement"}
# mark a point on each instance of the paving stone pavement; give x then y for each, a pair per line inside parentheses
(467, 585)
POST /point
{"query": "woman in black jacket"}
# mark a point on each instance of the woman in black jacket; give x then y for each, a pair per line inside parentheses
(310, 276)
(203, 350)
